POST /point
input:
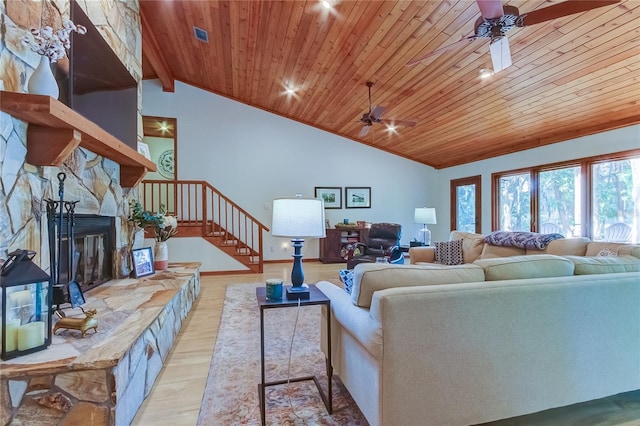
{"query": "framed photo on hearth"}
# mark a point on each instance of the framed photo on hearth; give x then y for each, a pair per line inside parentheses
(331, 195)
(142, 262)
(358, 197)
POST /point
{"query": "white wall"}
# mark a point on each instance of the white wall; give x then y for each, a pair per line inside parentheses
(602, 143)
(253, 156)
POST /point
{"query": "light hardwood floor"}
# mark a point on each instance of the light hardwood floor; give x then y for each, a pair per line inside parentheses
(177, 394)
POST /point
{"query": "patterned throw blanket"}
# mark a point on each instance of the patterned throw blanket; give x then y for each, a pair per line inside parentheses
(526, 240)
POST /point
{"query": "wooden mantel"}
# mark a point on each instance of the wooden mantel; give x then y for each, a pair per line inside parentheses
(55, 130)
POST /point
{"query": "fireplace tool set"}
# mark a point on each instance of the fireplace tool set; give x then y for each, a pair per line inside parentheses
(69, 292)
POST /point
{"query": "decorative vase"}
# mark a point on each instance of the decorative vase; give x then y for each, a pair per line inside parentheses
(138, 239)
(161, 256)
(42, 81)
(123, 263)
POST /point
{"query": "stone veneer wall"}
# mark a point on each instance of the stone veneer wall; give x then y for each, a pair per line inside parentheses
(90, 178)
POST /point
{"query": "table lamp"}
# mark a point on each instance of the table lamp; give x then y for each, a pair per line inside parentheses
(426, 216)
(298, 218)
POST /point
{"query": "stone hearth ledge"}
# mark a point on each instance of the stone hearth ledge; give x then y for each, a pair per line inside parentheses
(105, 375)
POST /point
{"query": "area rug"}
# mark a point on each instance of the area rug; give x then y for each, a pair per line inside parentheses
(231, 394)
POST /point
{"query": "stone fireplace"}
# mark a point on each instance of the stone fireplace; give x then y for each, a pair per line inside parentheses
(91, 178)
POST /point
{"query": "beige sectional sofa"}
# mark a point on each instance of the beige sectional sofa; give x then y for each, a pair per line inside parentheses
(494, 338)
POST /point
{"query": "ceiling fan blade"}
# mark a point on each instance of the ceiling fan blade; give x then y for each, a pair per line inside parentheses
(559, 10)
(421, 58)
(500, 54)
(376, 113)
(405, 123)
(490, 9)
(364, 131)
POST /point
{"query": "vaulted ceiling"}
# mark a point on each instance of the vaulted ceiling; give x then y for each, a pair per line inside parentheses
(571, 76)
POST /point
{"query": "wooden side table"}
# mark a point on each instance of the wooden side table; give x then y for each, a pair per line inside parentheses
(316, 297)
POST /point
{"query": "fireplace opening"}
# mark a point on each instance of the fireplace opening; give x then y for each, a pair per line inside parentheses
(91, 253)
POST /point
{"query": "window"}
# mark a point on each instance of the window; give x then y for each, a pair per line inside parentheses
(596, 197)
(559, 201)
(514, 202)
(614, 200)
(466, 204)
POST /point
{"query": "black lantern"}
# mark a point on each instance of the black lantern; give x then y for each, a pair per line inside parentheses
(26, 306)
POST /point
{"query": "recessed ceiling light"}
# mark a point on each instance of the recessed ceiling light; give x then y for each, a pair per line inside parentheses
(328, 4)
(485, 73)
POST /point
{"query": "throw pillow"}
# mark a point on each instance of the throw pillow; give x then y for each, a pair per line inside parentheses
(346, 276)
(607, 252)
(449, 252)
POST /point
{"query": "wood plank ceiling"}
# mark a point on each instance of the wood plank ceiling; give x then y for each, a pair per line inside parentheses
(572, 76)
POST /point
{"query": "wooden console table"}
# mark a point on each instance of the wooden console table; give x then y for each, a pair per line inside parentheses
(337, 238)
(105, 376)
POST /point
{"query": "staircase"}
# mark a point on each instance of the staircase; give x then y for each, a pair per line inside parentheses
(203, 211)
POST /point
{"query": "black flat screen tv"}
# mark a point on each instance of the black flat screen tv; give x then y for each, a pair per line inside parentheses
(96, 84)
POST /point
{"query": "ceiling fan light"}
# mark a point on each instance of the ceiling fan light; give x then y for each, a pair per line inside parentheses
(485, 73)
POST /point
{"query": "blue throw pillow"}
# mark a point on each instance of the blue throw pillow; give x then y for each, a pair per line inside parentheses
(346, 276)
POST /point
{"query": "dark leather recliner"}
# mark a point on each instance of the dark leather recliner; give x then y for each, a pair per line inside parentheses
(383, 241)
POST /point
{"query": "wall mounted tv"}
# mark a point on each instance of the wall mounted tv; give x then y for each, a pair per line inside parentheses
(96, 84)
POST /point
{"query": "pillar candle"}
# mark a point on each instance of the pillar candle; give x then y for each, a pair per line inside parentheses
(20, 298)
(30, 335)
(12, 335)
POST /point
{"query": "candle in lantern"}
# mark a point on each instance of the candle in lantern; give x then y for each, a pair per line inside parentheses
(20, 298)
(30, 335)
(12, 335)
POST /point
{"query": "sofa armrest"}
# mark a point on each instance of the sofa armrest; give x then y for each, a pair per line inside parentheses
(354, 319)
(422, 254)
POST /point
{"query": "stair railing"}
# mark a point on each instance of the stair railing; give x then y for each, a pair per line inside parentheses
(204, 211)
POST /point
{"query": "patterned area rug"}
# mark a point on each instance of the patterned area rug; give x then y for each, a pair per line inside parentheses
(231, 394)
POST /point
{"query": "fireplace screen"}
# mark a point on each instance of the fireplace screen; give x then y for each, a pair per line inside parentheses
(91, 253)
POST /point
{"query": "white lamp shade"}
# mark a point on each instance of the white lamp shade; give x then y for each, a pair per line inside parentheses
(425, 215)
(298, 218)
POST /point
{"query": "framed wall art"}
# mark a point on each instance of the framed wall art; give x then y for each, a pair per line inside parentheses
(358, 197)
(143, 149)
(332, 196)
(142, 262)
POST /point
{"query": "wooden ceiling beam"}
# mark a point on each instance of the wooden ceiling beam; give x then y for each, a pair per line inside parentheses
(151, 49)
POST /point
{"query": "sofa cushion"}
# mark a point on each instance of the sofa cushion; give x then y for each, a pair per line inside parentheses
(564, 246)
(594, 248)
(449, 252)
(472, 244)
(604, 264)
(490, 251)
(519, 267)
(371, 277)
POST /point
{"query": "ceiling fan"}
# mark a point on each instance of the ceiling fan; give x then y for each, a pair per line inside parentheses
(375, 116)
(497, 20)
